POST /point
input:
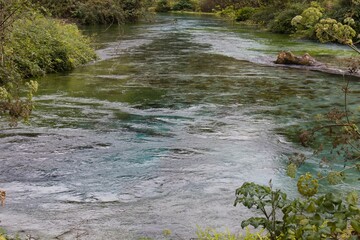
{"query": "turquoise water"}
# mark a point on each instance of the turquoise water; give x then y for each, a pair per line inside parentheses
(160, 131)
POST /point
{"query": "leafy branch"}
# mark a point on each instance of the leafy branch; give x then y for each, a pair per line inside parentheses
(325, 217)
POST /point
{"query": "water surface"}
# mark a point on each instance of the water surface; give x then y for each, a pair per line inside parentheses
(160, 132)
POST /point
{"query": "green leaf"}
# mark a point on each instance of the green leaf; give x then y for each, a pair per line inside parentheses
(325, 230)
(255, 222)
(304, 222)
(352, 198)
(245, 223)
(328, 206)
(356, 225)
(311, 208)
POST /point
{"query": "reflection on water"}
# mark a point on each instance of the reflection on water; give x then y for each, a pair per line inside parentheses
(159, 133)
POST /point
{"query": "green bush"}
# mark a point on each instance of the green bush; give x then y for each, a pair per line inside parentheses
(264, 15)
(43, 45)
(344, 9)
(183, 5)
(99, 12)
(305, 22)
(96, 11)
(56, 8)
(133, 9)
(207, 5)
(228, 12)
(327, 216)
(32, 45)
(245, 13)
(282, 21)
(162, 6)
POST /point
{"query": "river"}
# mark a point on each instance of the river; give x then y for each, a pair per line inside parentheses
(160, 131)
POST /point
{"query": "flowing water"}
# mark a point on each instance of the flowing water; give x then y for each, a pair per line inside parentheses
(161, 130)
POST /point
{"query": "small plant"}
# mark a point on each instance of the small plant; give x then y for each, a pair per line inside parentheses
(324, 217)
(267, 201)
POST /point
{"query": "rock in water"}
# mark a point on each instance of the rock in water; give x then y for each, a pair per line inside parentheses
(286, 57)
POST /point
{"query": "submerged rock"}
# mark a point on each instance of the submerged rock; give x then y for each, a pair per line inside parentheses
(286, 57)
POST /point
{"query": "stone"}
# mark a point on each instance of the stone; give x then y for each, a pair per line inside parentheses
(286, 57)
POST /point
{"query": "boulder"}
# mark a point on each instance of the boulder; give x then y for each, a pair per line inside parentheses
(286, 57)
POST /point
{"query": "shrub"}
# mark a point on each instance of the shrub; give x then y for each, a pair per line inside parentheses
(264, 15)
(245, 13)
(324, 217)
(183, 5)
(282, 22)
(133, 9)
(96, 11)
(328, 30)
(56, 8)
(228, 12)
(99, 12)
(305, 23)
(207, 5)
(162, 6)
(211, 5)
(43, 45)
(30, 46)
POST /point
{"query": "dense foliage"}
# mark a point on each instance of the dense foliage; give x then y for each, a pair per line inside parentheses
(96, 11)
(54, 46)
(324, 217)
(32, 45)
(162, 6)
(303, 17)
(176, 5)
